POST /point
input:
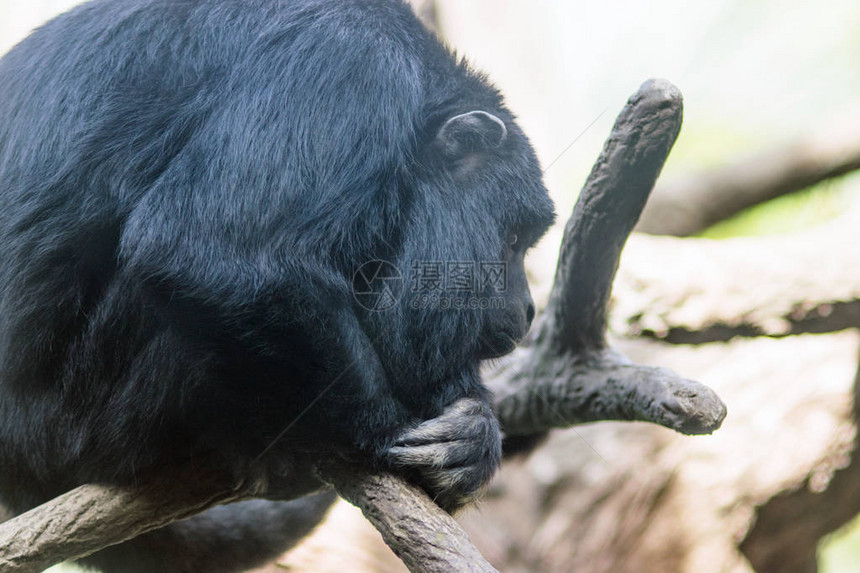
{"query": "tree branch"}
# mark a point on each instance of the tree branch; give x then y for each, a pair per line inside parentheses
(537, 394)
(631, 498)
(691, 204)
(608, 208)
(567, 375)
(92, 517)
(423, 536)
(687, 291)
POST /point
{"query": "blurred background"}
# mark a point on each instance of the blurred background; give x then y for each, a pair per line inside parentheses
(754, 74)
(770, 140)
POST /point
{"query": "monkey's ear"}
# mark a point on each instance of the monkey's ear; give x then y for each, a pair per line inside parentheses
(471, 132)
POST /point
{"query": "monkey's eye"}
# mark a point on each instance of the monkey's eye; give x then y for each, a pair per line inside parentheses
(512, 239)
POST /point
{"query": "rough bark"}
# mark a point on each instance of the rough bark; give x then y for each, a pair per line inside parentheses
(91, 516)
(605, 213)
(696, 290)
(424, 537)
(690, 204)
(756, 496)
(566, 375)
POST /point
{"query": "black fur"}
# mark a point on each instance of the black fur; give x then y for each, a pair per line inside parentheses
(187, 188)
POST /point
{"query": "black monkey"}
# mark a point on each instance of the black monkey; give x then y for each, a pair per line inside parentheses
(188, 191)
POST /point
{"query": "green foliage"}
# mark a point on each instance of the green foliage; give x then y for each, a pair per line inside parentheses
(839, 552)
(710, 145)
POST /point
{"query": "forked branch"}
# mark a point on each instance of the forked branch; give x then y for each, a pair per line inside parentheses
(569, 375)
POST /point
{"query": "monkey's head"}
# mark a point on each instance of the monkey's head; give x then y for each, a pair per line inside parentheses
(478, 204)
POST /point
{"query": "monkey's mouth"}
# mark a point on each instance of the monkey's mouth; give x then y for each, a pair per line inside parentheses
(497, 346)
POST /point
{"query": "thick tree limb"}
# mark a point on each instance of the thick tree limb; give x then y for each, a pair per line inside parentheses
(756, 496)
(608, 208)
(536, 394)
(695, 290)
(690, 204)
(566, 375)
(91, 517)
(426, 538)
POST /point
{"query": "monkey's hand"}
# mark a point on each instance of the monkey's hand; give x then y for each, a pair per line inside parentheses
(452, 456)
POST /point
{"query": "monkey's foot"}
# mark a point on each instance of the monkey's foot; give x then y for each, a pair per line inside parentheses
(452, 456)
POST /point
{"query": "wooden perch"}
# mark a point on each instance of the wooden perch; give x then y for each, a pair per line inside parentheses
(755, 497)
(690, 204)
(568, 375)
(695, 290)
(605, 213)
(91, 517)
(423, 536)
(565, 375)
